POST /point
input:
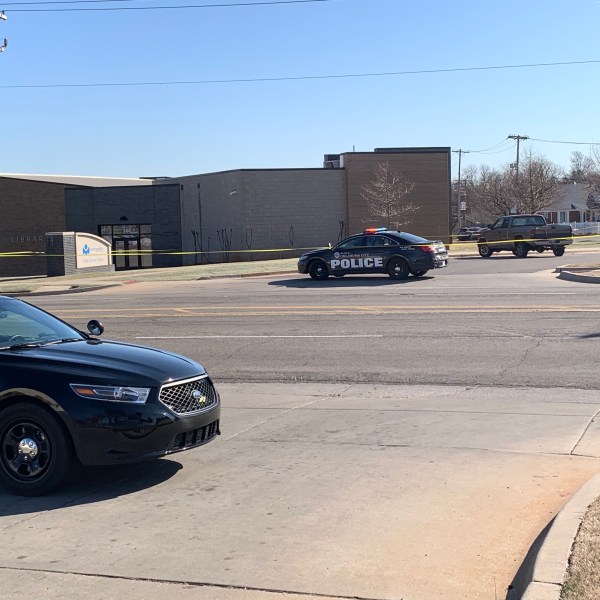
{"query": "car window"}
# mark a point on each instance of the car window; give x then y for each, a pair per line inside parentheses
(377, 241)
(536, 220)
(21, 323)
(409, 238)
(354, 242)
(519, 221)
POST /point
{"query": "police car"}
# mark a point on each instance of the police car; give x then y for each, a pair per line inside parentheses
(378, 250)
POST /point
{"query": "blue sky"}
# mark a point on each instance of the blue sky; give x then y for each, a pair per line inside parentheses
(176, 130)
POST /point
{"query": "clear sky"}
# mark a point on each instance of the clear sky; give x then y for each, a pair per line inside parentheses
(154, 130)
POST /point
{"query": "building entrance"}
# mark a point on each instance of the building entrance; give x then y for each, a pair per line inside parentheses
(131, 245)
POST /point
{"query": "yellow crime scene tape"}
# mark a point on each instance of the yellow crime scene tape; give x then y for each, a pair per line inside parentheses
(141, 252)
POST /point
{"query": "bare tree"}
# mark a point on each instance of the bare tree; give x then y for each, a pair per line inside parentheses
(582, 167)
(495, 191)
(386, 196)
(539, 184)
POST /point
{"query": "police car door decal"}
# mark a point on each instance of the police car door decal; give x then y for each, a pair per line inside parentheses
(359, 255)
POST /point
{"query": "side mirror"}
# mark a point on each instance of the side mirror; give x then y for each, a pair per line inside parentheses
(95, 327)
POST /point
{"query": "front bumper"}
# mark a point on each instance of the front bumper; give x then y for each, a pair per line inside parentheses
(109, 434)
(303, 267)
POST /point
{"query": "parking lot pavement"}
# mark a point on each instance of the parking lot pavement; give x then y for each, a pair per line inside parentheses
(334, 490)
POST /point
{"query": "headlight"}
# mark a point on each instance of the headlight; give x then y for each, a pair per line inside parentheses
(112, 393)
(304, 257)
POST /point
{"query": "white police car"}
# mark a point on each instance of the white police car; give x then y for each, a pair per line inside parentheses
(378, 250)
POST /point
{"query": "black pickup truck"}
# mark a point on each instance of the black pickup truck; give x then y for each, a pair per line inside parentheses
(523, 233)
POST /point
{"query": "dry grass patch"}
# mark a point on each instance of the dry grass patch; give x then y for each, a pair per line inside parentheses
(582, 580)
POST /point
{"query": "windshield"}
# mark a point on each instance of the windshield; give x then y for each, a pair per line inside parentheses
(24, 324)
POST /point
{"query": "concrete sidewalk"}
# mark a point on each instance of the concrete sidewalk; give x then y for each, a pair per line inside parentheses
(318, 491)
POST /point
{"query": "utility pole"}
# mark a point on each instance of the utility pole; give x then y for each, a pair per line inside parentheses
(3, 17)
(462, 215)
(518, 138)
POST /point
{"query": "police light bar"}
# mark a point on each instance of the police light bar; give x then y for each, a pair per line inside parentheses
(375, 229)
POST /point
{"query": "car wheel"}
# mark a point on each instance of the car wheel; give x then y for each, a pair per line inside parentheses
(398, 269)
(484, 250)
(558, 251)
(318, 270)
(35, 452)
(419, 273)
(521, 250)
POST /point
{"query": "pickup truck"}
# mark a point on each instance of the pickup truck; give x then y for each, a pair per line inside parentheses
(523, 233)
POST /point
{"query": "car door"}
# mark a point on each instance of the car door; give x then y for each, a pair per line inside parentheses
(347, 256)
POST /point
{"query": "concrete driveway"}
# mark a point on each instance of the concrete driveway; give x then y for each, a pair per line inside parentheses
(318, 491)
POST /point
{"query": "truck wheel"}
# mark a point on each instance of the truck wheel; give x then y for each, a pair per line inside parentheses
(484, 250)
(558, 251)
(318, 270)
(35, 453)
(521, 250)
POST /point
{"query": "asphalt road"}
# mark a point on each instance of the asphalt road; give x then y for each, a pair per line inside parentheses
(502, 322)
(381, 440)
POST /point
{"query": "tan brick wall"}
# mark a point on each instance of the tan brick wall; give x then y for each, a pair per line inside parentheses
(29, 210)
(430, 172)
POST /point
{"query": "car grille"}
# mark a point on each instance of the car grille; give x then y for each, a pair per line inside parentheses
(194, 437)
(187, 397)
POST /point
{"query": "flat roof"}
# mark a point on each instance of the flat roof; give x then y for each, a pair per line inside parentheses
(78, 180)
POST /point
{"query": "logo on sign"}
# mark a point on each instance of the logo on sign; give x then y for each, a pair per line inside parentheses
(86, 250)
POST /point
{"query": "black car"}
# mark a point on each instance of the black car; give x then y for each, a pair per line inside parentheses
(67, 397)
(397, 253)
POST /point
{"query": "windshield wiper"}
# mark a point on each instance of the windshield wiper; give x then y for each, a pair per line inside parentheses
(40, 343)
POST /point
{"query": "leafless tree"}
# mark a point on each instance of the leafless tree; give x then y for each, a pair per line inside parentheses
(386, 196)
(582, 167)
(538, 186)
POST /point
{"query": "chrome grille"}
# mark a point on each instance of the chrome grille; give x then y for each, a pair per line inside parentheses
(190, 396)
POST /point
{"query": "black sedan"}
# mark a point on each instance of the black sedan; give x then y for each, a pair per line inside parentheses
(67, 397)
(397, 253)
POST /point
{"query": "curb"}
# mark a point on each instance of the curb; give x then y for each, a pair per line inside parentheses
(580, 274)
(552, 560)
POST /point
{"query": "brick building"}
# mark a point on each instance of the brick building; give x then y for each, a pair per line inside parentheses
(32, 205)
(215, 217)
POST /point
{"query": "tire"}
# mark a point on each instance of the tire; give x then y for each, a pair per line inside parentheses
(484, 250)
(558, 250)
(419, 273)
(36, 454)
(318, 270)
(521, 250)
(398, 269)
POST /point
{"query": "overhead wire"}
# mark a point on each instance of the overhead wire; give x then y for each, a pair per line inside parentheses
(485, 150)
(291, 78)
(562, 142)
(115, 8)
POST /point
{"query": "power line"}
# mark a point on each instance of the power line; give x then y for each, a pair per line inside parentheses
(299, 78)
(559, 142)
(504, 141)
(114, 8)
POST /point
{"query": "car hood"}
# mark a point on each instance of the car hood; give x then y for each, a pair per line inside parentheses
(107, 362)
(313, 252)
